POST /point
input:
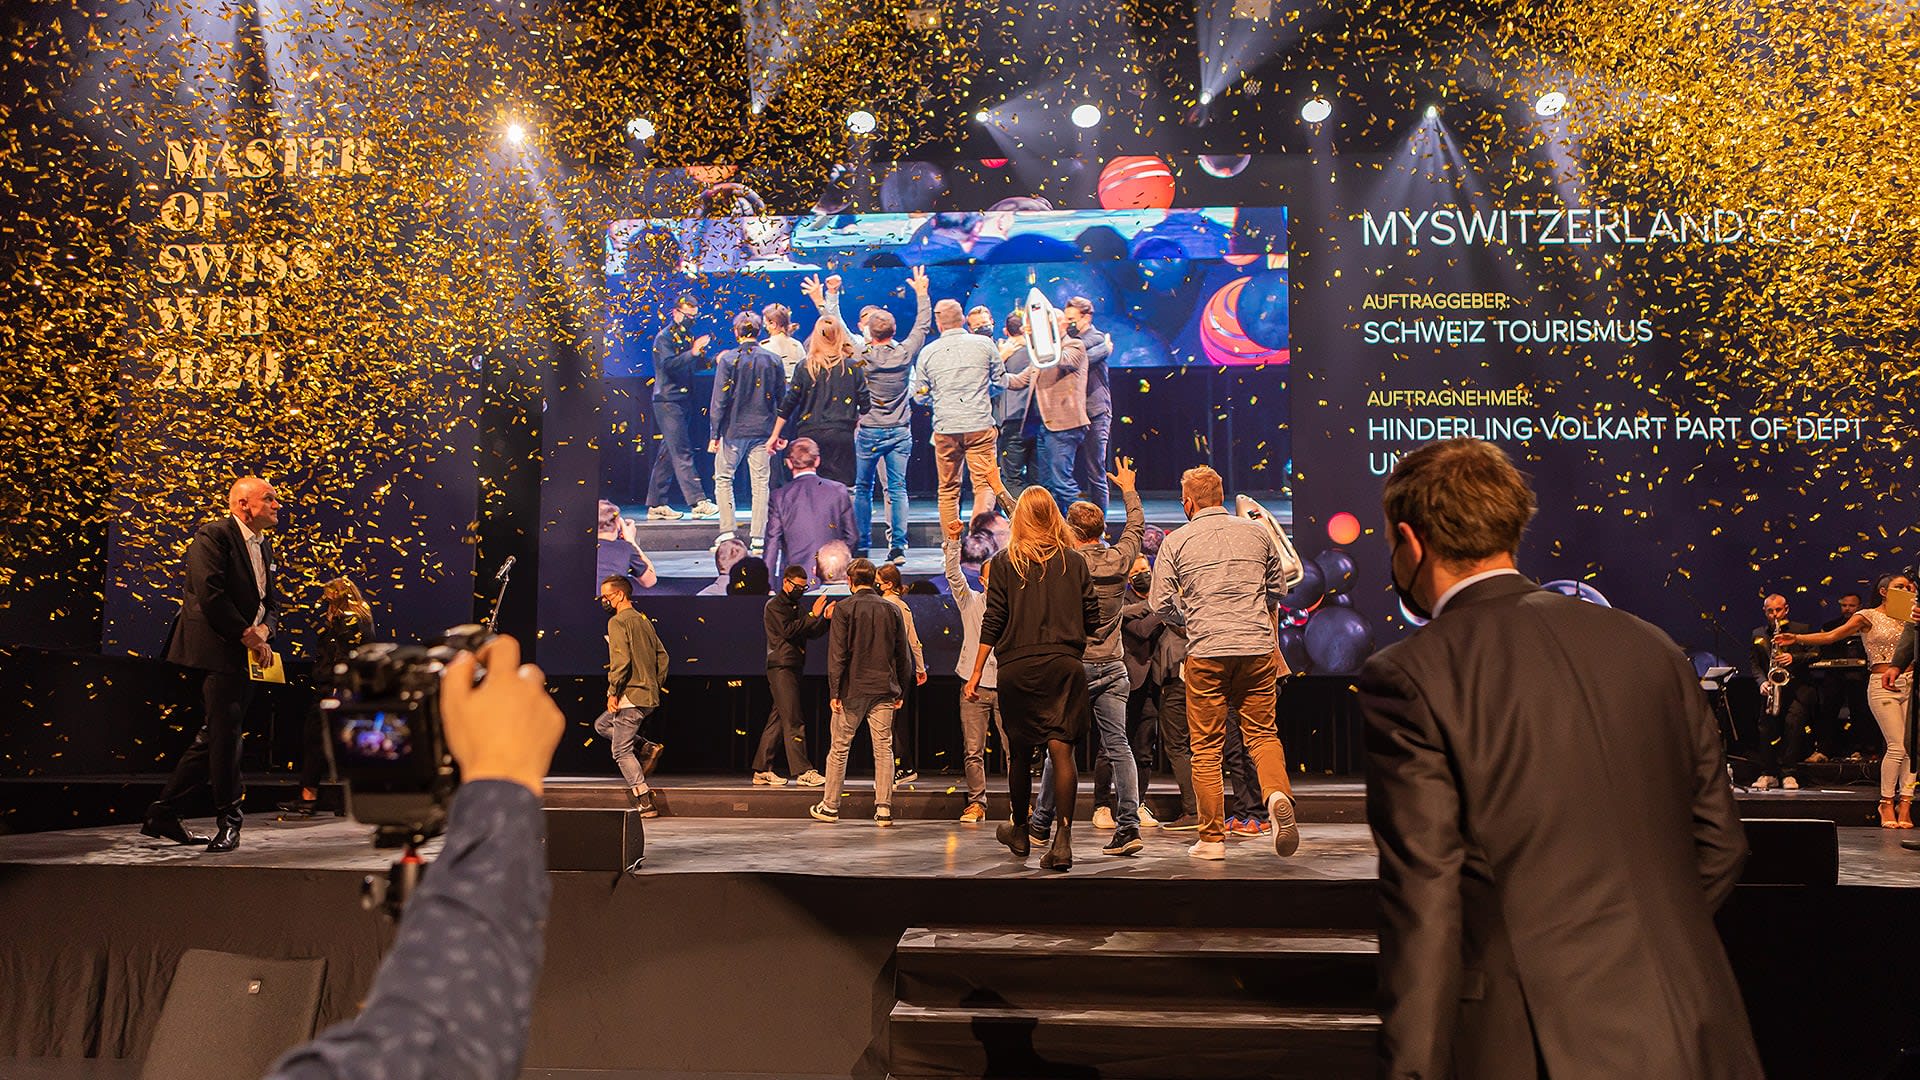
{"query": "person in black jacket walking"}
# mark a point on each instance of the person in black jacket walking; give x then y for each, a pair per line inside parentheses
(789, 628)
(676, 358)
(1041, 610)
(824, 401)
(227, 616)
(869, 667)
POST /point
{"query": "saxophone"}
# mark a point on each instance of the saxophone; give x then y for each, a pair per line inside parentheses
(1777, 674)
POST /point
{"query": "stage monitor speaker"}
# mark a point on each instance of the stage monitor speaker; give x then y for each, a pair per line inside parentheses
(229, 1017)
(595, 839)
(1788, 851)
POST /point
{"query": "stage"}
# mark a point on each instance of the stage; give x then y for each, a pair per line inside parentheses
(681, 557)
(756, 942)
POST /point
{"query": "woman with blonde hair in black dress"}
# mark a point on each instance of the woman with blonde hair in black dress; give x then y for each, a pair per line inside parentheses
(1040, 610)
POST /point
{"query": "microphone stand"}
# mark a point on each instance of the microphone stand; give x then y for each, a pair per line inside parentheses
(504, 577)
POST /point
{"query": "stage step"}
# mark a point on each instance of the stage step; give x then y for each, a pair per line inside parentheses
(1133, 1003)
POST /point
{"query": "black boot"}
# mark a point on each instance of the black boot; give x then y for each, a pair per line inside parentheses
(163, 824)
(650, 758)
(643, 802)
(1060, 855)
(228, 836)
(1015, 837)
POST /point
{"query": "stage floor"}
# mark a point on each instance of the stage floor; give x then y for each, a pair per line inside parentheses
(854, 847)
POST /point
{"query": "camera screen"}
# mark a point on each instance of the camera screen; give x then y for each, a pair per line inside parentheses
(373, 738)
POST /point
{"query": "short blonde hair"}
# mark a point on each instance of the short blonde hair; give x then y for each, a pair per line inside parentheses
(1203, 486)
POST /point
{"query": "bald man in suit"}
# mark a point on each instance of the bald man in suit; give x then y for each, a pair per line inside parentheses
(228, 613)
(1549, 797)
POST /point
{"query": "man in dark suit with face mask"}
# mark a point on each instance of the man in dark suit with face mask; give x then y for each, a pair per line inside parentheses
(227, 615)
(1534, 924)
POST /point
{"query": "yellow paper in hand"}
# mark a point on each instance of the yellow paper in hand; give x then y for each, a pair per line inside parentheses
(274, 672)
(1899, 604)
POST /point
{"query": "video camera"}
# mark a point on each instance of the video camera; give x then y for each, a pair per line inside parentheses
(385, 738)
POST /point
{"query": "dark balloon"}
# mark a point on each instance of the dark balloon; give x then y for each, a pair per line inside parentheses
(913, 187)
(1338, 640)
(1293, 649)
(1341, 599)
(1313, 584)
(1337, 567)
(1262, 308)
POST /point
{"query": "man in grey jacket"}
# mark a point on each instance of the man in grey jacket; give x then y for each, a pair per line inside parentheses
(958, 372)
(1107, 684)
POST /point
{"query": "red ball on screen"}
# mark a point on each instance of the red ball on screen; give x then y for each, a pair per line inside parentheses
(1343, 528)
(1136, 182)
(994, 162)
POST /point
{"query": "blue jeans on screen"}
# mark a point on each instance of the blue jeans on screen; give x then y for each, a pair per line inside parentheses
(1108, 686)
(873, 449)
(1059, 451)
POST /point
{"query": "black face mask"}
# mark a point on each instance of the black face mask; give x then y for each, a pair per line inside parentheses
(1416, 612)
(1141, 583)
(606, 606)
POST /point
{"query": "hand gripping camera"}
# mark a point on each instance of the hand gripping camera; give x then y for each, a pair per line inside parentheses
(385, 738)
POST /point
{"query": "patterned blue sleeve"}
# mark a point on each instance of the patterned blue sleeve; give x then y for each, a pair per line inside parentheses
(454, 998)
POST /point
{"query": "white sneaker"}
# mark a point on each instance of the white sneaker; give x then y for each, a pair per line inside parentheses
(721, 539)
(1790, 783)
(1210, 850)
(1286, 830)
(811, 778)
(769, 779)
(705, 508)
(1102, 818)
(1765, 783)
(1147, 820)
(663, 513)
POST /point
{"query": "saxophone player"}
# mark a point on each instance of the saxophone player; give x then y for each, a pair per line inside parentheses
(1787, 704)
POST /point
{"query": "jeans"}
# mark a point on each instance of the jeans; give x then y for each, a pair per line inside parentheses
(622, 728)
(673, 419)
(1016, 456)
(1247, 688)
(1107, 685)
(975, 718)
(724, 464)
(879, 721)
(213, 761)
(786, 724)
(974, 449)
(881, 449)
(1091, 467)
(1890, 711)
(1058, 451)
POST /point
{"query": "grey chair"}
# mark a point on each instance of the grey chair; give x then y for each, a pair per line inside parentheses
(229, 1017)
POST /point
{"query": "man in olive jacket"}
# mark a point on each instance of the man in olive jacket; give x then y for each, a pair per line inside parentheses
(636, 666)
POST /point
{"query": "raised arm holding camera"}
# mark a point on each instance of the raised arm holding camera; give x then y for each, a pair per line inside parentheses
(485, 900)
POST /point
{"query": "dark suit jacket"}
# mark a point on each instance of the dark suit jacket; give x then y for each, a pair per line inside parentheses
(1761, 649)
(220, 600)
(1548, 792)
(802, 516)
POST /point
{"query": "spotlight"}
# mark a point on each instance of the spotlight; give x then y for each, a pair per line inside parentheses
(983, 116)
(1316, 109)
(516, 134)
(640, 128)
(1550, 103)
(1206, 97)
(1433, 111)
(861, 122)
(759, 107)
(1085, 116)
